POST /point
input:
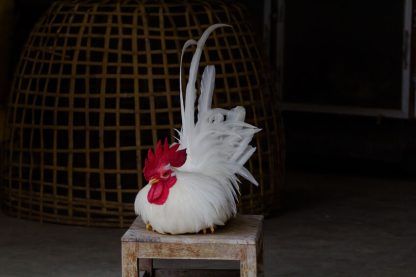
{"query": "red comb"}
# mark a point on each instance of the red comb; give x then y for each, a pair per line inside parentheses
(163, 156)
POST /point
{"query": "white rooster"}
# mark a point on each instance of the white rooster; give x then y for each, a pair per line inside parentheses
(193, 184)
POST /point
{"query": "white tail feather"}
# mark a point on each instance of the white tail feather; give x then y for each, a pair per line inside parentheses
(188, 120)
(243, 172)
(217, 145)
(185, 46)
(246, 155)
(236, 114)
(207, 89)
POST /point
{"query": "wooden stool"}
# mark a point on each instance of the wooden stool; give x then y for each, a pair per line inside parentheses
(240, 239)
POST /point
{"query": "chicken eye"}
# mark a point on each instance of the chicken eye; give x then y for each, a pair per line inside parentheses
(165, 175)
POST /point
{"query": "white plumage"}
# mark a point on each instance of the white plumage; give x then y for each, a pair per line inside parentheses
(191, 192)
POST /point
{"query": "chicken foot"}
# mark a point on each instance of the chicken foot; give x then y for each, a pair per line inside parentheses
(212, 229)
(149, 227)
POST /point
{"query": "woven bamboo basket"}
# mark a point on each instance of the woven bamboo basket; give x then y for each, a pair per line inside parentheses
(97, 85)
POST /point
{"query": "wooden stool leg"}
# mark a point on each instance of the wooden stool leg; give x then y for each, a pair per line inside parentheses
(129, 259)
(248, 264)
(147, 266)
(260, 267)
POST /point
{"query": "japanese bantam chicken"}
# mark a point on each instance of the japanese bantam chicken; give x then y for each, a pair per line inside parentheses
(193, 184)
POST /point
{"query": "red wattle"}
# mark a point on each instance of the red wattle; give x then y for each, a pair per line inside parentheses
(156, 191)
(158, 194)
(171, 181)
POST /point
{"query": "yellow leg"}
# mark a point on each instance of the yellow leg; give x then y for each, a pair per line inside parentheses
(149, 227)
(204, 231)
(212, 228)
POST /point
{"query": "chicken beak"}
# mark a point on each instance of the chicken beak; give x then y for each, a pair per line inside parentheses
(153, 181)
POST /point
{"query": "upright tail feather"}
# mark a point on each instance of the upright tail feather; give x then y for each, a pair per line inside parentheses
(188, 110)
(186, 45)
(218, 143)
(207, 89)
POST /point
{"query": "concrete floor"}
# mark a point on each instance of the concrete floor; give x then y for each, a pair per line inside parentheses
(330, 226)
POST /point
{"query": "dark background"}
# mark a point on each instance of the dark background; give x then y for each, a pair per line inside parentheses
(338, 53)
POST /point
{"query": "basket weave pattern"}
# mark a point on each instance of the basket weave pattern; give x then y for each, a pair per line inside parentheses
(97, 85)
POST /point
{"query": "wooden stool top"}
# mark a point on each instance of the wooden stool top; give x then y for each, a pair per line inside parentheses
(243, 229)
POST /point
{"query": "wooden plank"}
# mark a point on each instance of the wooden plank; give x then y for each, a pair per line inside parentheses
(244, 229)
(190, 251)
(248, 266)
(241, 239)
(129, 259)
(196, 273)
